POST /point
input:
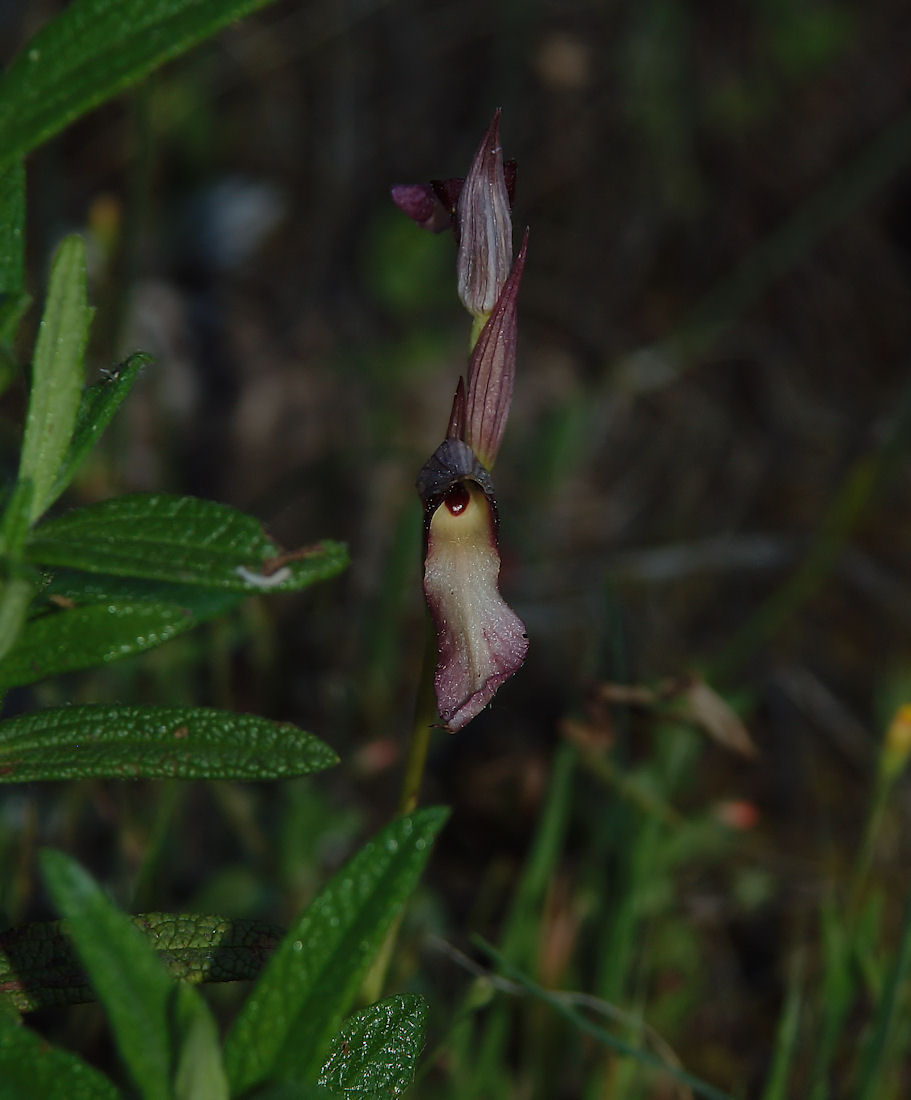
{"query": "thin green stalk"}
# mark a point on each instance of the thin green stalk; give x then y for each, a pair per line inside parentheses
(425, 717)
(840, 940)
(519, 940)
(425, 714)
(788, 1032)
(561, 1008)
(871, 1075)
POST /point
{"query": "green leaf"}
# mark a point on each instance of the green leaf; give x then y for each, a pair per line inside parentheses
(376, 1051)
(17, 589)
(96, 409)
(154, 742)
(15, 599)
(307, 986)
(39, 967)
(92, 50)
(14, 524)
(57, 374)
(140, 997)
(200, 1073)
(123, 621)
(182, 539)
(30, 1066)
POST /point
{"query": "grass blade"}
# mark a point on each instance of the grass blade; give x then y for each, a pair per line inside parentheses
(786, 1040)
(644, 1057)
(871, 1072)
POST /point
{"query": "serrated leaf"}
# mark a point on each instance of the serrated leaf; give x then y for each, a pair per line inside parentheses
(92, 50)
(57, 374)
(179, 539)
(139, 995)
(376, 1051)
(96, 741)
(97, 406)
(66, 589)
(309, 983)
(75, 637)
(31, 1067)
(39, 967)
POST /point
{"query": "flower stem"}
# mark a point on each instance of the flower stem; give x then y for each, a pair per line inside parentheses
(425, 715)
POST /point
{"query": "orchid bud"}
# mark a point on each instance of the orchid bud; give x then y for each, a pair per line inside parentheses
(481, 642)
(492, 370)
(484, 227)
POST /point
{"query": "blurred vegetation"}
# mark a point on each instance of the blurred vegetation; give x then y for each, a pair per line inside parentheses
(705, 474)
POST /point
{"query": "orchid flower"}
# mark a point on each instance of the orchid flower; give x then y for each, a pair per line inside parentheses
(481, 641)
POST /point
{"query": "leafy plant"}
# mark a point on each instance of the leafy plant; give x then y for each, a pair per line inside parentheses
(92, 585)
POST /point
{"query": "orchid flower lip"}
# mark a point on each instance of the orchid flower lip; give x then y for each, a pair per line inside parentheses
(481, 641)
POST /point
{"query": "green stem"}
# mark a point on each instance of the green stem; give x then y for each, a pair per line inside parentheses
(425, 717)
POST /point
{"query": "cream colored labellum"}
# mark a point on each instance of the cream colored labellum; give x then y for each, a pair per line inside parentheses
(480, 639)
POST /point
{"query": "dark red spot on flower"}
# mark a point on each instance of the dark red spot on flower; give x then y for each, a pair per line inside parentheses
(457, 498)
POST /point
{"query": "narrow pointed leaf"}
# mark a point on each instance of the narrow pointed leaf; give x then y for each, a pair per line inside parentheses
(141, 999)
(96, 633)
(309, 983)
(15, 521)
(376, 1051)
(39, 967)
(30, 1066)
(154, 742)
(15, 599)
(180, 539)
(131, 983)
(97, 406)
(57, 373)
(17, 588)
(200, 1072)
(92, 50)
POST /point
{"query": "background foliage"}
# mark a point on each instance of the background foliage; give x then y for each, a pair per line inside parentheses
(705, 470)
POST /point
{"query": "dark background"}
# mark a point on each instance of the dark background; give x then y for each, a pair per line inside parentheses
(712, 399)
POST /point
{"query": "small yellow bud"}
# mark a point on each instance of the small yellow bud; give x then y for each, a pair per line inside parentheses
(897, 743)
